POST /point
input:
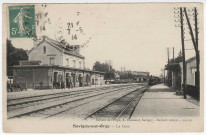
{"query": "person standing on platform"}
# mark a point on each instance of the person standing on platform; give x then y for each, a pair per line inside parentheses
(71, 83)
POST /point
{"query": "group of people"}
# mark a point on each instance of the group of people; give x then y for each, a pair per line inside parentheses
(72, 81)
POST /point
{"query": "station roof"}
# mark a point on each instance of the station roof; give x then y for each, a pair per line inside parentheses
(191, 59)
(55, 66)
(57, 45)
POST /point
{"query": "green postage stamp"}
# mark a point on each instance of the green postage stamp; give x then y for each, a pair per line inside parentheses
(22, 21)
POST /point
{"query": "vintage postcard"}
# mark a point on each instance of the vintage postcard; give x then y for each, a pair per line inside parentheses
(103, 68)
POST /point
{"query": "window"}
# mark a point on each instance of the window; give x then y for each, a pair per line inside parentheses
(80, 64)
(74, 63)
(44, 49)
(67, 62)
(52, 61)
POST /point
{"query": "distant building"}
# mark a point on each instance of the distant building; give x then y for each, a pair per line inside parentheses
(123, 69)
(139, 73)
(109, 62)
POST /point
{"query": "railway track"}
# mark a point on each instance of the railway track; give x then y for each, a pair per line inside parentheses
(13, 104)
(14, 100)
(86, 101)
(54, 109)
(122, 107)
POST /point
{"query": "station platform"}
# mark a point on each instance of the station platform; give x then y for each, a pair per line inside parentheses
(161, 101)
(31, 92)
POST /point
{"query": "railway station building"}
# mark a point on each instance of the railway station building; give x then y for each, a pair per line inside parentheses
(51, 65)
(191, 76)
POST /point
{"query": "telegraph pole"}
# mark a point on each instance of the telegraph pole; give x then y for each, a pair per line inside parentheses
(196, 28)
(168, 53)
(173, 55)
(190, 28)
(183, 53)
(164, 75)
(197, 51)
(195, 42)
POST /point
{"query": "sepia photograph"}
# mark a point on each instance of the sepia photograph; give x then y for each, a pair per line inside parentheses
(107, 67)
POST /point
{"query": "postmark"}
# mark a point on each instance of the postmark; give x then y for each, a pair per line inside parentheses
(74, 32)
(22, 21)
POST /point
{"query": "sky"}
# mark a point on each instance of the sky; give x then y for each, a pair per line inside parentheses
(134, 36)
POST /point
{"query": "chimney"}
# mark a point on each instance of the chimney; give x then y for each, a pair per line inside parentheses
(35, 52)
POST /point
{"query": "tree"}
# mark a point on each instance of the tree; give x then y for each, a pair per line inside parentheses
(14, 55)
(127, 75)
(179, 58)
(102, 67)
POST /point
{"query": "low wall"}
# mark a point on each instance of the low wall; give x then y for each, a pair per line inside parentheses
(193, 91)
